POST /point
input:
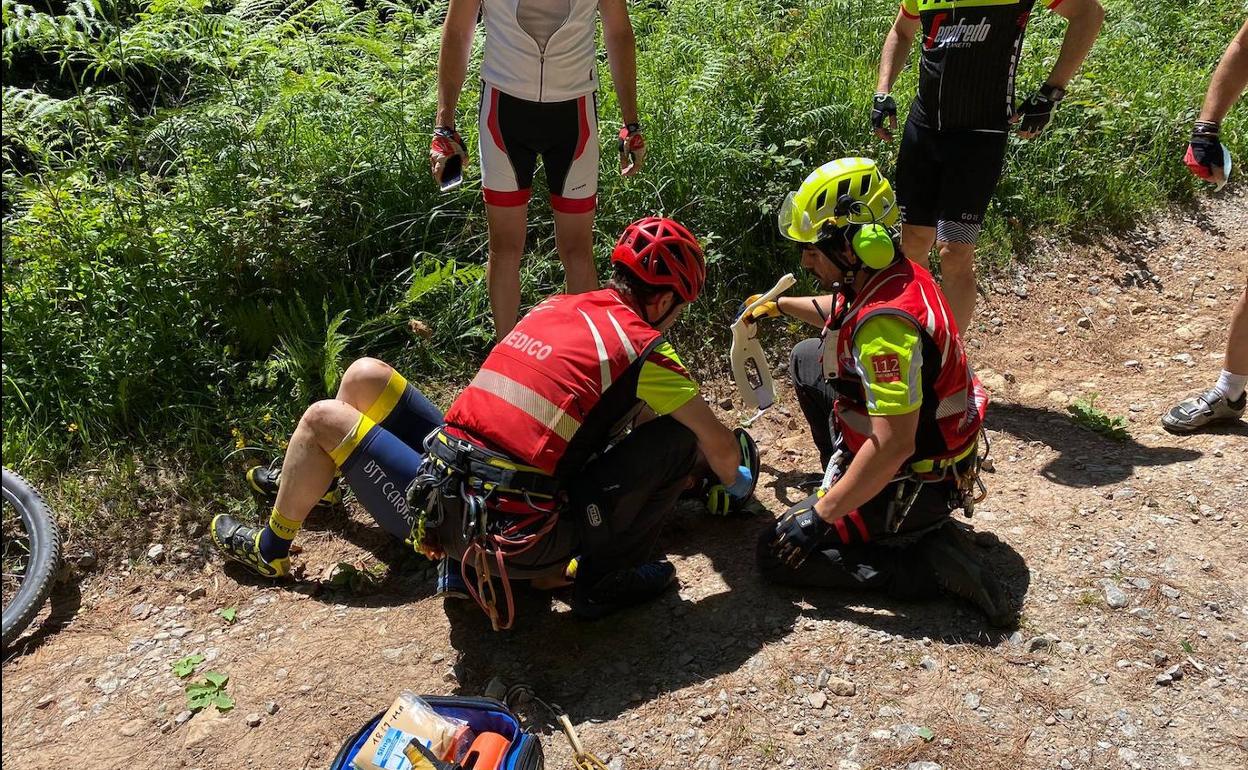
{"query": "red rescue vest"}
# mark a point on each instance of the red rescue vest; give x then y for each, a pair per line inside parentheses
(539, 387)
(954, 401)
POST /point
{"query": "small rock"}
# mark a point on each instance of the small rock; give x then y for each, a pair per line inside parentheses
(842, 687)
(924, 765)
(1040, 644)
(1084, 322)
(817, 700)
(87, 560)
(156, 553)
(198, 592)
(74, 719)
(799, 729)
(202, 727)
(1115, 597)
(1163, 680)
(928, 663)
(971, 700)
(253, 720)
(132, 728)
(392, 655)
(183, 717)
(1175, 672)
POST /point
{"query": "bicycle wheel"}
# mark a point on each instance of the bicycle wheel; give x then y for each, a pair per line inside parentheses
(31, 554)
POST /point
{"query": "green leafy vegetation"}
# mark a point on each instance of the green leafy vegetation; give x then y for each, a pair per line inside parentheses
(210, 208)
(184, 667)
(228, 614)
(209, 692)
(1089, 417)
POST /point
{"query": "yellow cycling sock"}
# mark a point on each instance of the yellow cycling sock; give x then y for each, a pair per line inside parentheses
(276, 538)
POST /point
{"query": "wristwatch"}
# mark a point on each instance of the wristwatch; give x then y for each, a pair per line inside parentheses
(1053, 93)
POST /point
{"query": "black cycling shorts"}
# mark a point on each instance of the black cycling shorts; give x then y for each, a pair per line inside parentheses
(945, 179)
(514, 132)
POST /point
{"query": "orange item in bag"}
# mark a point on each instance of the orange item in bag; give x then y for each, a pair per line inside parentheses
(486, 752)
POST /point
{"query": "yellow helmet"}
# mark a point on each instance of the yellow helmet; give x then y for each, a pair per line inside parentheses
(819, 199)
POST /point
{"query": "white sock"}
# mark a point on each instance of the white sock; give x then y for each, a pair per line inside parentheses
(1231, 386)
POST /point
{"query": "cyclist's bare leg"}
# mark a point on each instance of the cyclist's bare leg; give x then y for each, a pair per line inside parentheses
(1237, 341)
(308, 469)
(917, 242)
(362, 383)
(957, 280)
(507, 226)
(574, 237)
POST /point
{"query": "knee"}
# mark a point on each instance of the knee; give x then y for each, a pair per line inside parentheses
(367, 374)
(957, 258)
(804, 366)
(326, 418)
(506, 255)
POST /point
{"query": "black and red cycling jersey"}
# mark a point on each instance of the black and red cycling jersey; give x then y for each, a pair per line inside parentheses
(970, 52)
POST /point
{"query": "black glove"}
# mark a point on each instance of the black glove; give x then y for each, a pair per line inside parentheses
(797, 534)
(1037, 111)
(884, 107)
(1204, 151)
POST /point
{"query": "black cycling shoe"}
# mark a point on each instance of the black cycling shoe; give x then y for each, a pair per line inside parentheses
(241, 543)
(959, 571)
(263, 481)
(624, 588)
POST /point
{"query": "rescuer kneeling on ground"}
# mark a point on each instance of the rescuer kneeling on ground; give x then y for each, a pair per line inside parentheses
(896, 416)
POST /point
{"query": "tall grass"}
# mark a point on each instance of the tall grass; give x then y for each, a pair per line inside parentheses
(210, 207)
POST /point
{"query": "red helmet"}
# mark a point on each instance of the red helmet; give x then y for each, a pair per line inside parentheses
(661, 252)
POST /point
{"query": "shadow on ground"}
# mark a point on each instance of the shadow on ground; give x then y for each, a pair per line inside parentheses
(1084, 459)
(597, 670)
(65, 601)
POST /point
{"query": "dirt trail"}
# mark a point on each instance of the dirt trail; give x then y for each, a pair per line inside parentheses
(731, 673)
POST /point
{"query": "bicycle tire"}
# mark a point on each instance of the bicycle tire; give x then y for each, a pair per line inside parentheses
(45, 547)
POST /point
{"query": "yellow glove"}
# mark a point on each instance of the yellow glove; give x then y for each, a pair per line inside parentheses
(769, 309)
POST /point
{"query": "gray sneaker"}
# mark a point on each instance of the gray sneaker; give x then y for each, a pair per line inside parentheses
(1205, 409)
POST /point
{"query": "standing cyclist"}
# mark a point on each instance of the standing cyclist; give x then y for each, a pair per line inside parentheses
(953, 146)
(539, 76)
(1227, 399)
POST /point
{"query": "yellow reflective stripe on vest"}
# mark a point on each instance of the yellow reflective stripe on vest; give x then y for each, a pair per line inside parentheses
(927, 466)
(529, 401)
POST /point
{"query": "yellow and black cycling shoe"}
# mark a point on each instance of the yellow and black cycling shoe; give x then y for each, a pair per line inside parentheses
(263, 481)
(241, 543)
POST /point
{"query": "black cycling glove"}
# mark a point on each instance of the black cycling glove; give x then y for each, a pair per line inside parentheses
(1204, 151)
(799, 533)
(883, 109)
(1037, 111)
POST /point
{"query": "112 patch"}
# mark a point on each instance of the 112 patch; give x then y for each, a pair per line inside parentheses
(886, 367)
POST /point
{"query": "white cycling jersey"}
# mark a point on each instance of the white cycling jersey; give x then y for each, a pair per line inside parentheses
(540, 50)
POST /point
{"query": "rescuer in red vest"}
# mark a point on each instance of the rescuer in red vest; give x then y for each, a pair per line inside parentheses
(893, 406)
(533, 473)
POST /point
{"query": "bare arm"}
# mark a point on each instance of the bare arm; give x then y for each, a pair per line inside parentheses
(457, 33)
(717, 443)
(803, 308)
(890, 445)
(896, 50)
(617, 34)
(1229, 79)
(1085, 18)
